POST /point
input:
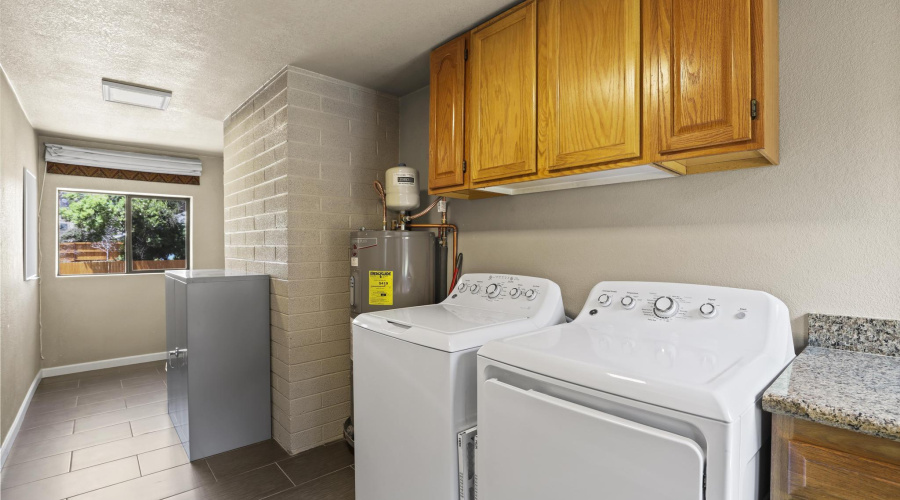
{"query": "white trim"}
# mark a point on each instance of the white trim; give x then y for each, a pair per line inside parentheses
(190, 256)
(20, 416)
(106, 363)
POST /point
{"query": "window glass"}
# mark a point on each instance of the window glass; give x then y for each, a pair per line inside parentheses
(158, 234)
(91, 233)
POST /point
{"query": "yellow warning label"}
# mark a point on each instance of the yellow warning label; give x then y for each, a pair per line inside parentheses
(381, 288)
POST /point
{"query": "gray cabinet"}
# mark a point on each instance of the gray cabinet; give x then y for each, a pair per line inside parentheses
(217, 372)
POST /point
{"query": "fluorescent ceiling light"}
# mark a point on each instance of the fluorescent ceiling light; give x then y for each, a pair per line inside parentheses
(127, 93)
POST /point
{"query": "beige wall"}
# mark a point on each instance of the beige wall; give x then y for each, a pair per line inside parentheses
(91, 318)
(821, 231)
(19, 356)
(300, 158)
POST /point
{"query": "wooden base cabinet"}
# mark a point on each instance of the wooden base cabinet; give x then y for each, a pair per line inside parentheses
(815, 461)
(557, 88)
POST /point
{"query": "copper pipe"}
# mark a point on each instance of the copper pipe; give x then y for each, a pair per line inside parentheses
(451, 227)
(379, 188)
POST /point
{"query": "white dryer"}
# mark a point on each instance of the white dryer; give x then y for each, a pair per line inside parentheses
(652, 392)
(415, 380)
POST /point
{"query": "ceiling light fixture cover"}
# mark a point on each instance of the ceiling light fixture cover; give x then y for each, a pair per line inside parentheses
(127, 93)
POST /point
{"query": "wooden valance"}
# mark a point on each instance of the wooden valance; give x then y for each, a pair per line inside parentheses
(114, 173)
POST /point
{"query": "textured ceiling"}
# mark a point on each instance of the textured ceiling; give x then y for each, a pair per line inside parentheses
(212, 54)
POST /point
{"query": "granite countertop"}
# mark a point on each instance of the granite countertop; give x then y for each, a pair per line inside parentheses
(848, 377)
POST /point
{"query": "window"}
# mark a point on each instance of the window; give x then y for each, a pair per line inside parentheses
(105, 233)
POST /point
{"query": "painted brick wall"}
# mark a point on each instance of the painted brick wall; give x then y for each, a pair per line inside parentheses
(300, 157)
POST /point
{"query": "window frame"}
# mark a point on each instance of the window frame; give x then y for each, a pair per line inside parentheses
(188, 229)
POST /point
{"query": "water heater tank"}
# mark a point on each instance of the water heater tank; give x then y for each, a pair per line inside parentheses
(391, 269)
(401, 188)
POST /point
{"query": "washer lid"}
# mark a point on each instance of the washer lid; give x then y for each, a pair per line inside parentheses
(447, 327)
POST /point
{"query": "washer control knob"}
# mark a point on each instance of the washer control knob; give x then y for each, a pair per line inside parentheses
(665, 307)
(474, 288)
(628, 302)
(604, 300)
(708, 310)
(493, 290)
(530, 295)
(515, 293)
(461, 287)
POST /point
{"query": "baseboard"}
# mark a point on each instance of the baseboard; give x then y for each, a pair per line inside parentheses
(106, 363)
(17, 423)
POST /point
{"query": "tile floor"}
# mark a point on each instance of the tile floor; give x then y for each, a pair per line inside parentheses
(106, 434)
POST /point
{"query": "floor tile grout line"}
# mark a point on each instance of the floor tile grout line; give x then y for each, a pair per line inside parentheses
(215, 479)
(94, 429)
(121, 458)
(99, 444)
(305, 482)
(324, 475)
(108, 485)
(232, 476)
(86, 468)
(285, 473)
(39, 479)
(76, 418)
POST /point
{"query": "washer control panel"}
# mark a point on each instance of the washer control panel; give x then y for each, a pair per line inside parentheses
(519, 292)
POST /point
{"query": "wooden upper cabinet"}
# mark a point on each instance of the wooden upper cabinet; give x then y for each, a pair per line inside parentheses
(589, 82)
(446, 145)
(502, 114)
(702, 72)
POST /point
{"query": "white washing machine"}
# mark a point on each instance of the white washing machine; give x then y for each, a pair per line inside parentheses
(652, 392)
(415, 380)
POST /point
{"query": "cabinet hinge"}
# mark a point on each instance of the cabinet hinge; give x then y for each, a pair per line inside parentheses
(754, 108)
(466, 55)
(464, 166)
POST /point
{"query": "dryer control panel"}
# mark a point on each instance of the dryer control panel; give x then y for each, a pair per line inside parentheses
(505, 292)
(730, 321)
(672, 302)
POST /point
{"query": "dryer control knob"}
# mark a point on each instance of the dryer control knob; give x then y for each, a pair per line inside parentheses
(628, 302)
(708, 310)
(493, 290)
(665, 307)
(474, 288)
(530, 295)
(604, 300)
(515, 293)
(461, 287)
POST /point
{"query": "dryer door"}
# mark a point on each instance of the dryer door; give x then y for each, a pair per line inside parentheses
(532, 446)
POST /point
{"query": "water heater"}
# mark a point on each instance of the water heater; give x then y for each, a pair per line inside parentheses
(401, 188)
(391, 269)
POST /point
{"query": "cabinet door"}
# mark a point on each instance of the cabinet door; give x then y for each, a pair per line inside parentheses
(589, 80)
(702, 72)
(502, 62)
(446, 129)
(817, 472)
